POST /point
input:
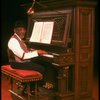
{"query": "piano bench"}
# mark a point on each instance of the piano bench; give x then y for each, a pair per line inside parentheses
(23, 76)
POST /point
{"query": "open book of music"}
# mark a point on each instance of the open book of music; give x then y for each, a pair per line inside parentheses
(42, 32)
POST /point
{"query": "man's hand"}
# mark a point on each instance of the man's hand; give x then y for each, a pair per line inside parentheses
(41, 52)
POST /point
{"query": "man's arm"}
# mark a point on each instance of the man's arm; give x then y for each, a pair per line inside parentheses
(14, 45)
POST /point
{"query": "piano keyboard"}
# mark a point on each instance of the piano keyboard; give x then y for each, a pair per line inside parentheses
(48, 55)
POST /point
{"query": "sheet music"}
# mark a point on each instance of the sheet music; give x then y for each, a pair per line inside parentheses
(47, 32)
(42, 32)
(36, 32)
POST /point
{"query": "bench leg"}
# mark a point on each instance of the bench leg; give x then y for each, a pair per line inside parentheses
(11, 83)
(28, 91)
(36, 90)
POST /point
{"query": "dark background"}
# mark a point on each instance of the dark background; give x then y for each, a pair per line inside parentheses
(11, 10)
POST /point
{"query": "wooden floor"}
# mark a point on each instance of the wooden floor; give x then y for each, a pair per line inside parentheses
(5, 95)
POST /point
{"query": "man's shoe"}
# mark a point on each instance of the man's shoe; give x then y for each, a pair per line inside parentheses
(48, 85)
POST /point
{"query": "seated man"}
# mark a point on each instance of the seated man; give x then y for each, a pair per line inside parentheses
(19, 53)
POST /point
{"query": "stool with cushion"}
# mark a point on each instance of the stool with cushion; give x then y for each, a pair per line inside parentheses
(24, 76)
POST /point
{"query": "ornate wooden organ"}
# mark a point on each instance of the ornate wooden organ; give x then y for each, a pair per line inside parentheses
(71, 67)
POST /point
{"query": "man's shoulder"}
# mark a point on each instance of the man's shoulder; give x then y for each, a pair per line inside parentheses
(13, 39)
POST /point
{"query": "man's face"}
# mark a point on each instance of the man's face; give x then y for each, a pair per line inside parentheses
(21, 32)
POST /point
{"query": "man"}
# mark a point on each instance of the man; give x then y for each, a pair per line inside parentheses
(19, 54)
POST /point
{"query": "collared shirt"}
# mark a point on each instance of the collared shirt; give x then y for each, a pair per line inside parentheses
(14, 45)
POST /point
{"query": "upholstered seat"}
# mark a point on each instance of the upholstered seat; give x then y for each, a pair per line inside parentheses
(25, 76)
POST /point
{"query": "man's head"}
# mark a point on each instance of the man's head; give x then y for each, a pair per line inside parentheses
(20, 29)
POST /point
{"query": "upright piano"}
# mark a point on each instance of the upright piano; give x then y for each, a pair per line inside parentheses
(69, 63)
